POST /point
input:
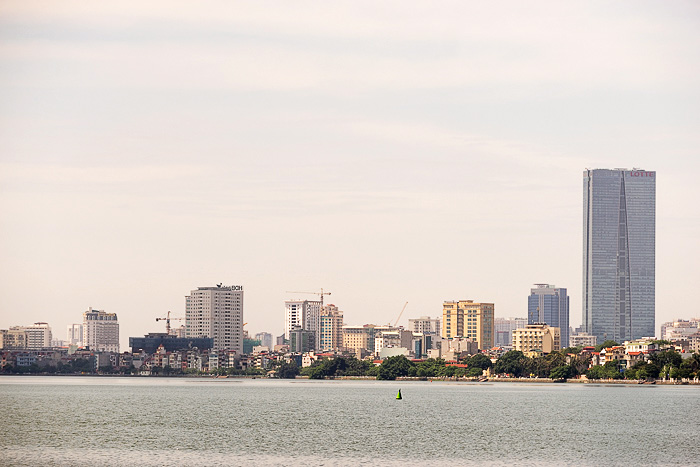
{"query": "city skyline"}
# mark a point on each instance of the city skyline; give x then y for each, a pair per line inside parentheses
(383, 153)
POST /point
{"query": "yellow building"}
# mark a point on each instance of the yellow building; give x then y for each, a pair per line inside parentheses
(359, 338)
(535, 337)
(464, 318)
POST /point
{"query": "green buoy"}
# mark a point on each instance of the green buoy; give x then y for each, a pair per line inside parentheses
(398, 396)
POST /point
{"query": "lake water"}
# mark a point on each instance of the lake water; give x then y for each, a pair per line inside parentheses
(94, 421)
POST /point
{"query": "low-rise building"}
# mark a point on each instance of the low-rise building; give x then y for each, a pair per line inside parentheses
(646, 344)
(679, 329)
(537, 337)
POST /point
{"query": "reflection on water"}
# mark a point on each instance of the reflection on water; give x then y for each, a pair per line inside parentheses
(192, 421)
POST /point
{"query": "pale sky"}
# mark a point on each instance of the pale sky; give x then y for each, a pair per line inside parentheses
(385, 151)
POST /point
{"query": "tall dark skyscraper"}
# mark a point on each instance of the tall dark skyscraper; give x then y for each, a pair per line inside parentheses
(619, 243)
(549, 304)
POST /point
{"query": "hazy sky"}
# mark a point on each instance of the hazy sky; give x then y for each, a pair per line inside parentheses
(385, 151)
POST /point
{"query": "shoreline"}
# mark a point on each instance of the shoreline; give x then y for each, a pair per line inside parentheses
(401, 378)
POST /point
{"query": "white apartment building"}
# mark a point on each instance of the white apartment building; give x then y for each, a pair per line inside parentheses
(100, 330)
(74, 334)
(216, 312)
(582, 339)
(303, 314)
(38, 335)
(679, 329)
(384, 339)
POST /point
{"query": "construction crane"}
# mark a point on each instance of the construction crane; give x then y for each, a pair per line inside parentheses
(320, 294)
(402, 310)
(167, 322)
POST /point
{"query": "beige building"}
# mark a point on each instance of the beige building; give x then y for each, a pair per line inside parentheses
(331, 328)
(13, 339)
(359, 337)
(464, 318)
(537, 337)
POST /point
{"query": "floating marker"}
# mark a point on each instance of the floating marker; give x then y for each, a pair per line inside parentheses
(398, 396)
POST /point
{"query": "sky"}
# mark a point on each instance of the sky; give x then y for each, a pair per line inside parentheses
(387, 152)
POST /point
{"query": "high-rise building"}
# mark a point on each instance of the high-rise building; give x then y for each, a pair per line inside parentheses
(216, 312)
(504, 328)
(619, 242)
(100, 331)
(303, 314)
(550, 305)
(464, 318)
(331, 328)
(74, 334)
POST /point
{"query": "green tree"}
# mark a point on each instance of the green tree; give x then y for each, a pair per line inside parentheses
(595, 372)
(667, 357)
(512, 362)
(480, 361)
(561, 372)
(288, 370)
(394, 367)
(611, 370)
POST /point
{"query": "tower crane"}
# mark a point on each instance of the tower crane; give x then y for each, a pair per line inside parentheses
(320, 294)
(167, 322)
(402, 310)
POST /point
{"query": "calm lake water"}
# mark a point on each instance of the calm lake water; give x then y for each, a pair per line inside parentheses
(96, 421)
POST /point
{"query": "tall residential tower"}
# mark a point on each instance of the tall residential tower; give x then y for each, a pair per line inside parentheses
(216, 312)
(619, 242)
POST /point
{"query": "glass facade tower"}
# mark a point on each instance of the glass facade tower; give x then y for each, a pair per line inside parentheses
(619, 243)
(550, 305)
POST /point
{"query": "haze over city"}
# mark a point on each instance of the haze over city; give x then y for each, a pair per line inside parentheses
(386, 153)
